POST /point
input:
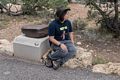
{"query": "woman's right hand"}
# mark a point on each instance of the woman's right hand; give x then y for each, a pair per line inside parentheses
(64, 47)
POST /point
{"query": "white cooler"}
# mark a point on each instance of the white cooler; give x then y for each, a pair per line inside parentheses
(30, 48)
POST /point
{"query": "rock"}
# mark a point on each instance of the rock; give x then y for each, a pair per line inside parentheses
(87, 46)
(78, 43)
(82, 59)
(73, 63)
(91, 51)
(109, 68)
(78, 36)
(6, 73)
(6, 47)
(14, 7)
(4, 41)
(100, 68)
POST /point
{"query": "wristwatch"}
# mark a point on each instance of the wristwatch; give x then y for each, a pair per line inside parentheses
(59, 44)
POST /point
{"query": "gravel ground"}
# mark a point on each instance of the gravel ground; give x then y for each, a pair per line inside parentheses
(14, 69)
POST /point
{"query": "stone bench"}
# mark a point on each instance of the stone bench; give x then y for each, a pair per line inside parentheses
(30, 48)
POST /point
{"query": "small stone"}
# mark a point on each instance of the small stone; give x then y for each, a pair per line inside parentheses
(95, 55)
(109, 50)
(6, 73)
(91, 51)
(87, 46)
(79, 43)
(105, 44)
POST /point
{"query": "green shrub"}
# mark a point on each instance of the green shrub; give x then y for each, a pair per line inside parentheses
(33, 6)
(99, 60)
(79, 24)
(92, 14)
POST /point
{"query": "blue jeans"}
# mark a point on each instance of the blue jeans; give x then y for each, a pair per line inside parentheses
(62, 55)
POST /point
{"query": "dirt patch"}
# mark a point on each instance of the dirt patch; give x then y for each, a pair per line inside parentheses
(78, 11)
(108, 50)
(13, 27)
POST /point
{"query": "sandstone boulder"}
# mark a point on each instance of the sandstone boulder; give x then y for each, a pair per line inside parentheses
(6, 47)
(109, 68)
(83, 58)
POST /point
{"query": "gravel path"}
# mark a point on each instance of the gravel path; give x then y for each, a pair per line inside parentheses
(14, 69)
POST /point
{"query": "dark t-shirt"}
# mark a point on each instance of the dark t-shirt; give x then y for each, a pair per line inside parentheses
(60, 30)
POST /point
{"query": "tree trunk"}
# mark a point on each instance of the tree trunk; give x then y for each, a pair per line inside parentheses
(1, 10)
(115, 21)
(116, 11)
(111, 23)
(3, 7)
(69, 1)
(106, 19)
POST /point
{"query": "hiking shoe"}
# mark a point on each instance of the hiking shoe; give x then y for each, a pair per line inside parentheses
(56, 64)
(48, 63)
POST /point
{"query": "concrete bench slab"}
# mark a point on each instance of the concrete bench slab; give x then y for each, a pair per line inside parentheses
(30, 48)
